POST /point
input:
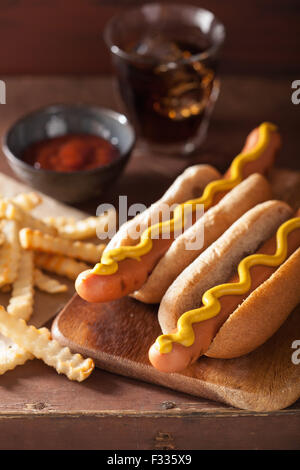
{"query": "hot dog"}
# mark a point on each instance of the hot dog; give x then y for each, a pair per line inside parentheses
(214, 222)
(186, 186)
(245, 319)
(93, 288)
(117, 276)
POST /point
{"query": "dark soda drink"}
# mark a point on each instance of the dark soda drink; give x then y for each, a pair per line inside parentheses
(166, 99)
(165, 58)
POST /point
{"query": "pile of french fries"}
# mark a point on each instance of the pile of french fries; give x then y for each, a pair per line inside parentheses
(28, 247)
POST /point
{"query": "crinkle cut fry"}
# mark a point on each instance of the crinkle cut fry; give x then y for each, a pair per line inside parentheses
(13, 355)
(73, 229)
(12, 211)
(61, 265)
(39, 241)
(86, 228)
(27, 201)
(21, 301)
(58, 221)
(37, 342)
(9, 252)
(48, 284)
(20, 305)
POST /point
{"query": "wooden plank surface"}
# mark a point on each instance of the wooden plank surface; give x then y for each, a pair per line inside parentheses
(106, 402)
(41, 410)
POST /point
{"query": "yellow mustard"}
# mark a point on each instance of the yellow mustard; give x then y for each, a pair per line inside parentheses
(110, 259)
(211, 305)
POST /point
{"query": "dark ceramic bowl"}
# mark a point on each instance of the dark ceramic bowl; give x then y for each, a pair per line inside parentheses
(57, 120)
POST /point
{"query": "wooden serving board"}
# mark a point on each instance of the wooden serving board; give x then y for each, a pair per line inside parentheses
(117, 335)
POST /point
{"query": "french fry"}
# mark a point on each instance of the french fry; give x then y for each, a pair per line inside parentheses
(58, 238)
(12, 211)
(39, 241)
(58, 221)
(48, 284)
(9, 252)
(73, 229)
(37, 342)
(80, 229)
(86, 228)
(21, 306)
(61, 265)
(27, 201)
(13, 355)
(21, 301)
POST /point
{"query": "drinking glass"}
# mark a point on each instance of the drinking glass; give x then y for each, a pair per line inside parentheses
(166, 60)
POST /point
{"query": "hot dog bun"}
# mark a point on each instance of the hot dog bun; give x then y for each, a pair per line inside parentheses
(216, 263)
(187, 185)
(252, 191)
(125, 269)
(274, 264)
(261, 313)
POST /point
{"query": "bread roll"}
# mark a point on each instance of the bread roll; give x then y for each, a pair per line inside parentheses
(215, 221)
(218, 262)
(261, 314)
(188, 185)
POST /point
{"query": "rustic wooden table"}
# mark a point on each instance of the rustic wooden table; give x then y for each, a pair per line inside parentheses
(41, 410)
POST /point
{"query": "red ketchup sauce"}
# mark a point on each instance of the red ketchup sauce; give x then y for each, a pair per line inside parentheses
(71, 152)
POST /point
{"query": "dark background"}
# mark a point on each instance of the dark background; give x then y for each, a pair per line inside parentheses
(65, 36)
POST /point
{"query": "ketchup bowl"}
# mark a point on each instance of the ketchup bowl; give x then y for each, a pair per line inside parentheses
(70, 152)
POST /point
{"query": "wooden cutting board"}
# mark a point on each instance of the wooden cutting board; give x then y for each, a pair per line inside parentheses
(117, 336)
